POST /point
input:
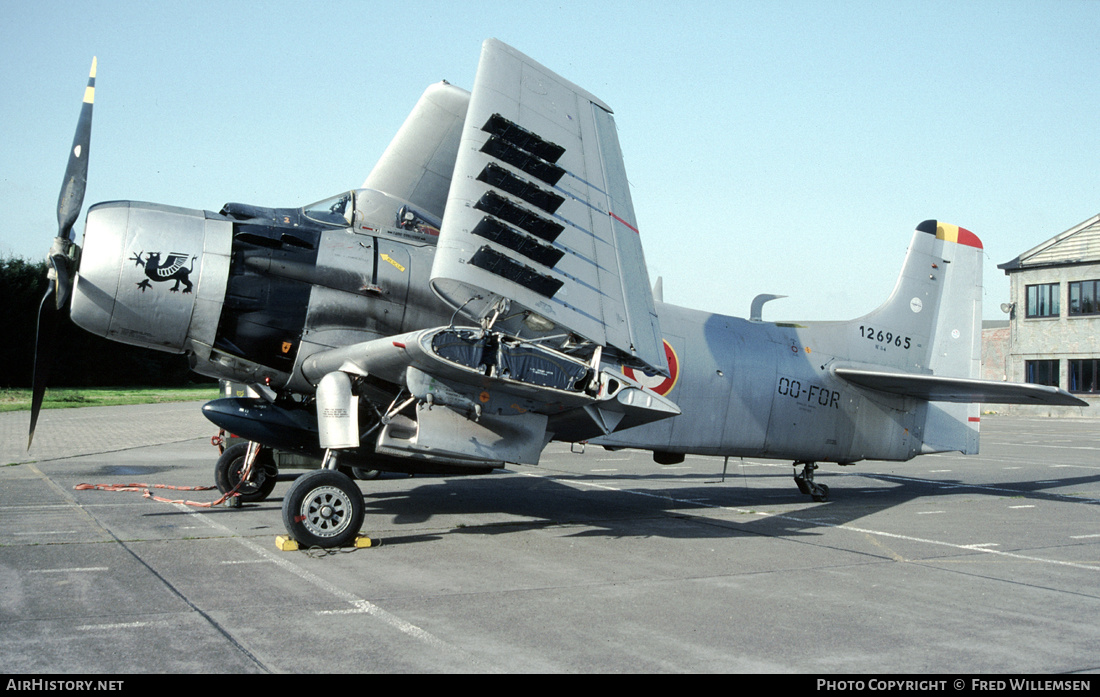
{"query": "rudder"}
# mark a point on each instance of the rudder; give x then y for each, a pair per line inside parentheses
(956, 339)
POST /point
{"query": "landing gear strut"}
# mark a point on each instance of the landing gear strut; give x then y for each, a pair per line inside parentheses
(231, 465)
(806, 484)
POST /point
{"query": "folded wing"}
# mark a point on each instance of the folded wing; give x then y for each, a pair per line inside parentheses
(417, 165)
(539, 233)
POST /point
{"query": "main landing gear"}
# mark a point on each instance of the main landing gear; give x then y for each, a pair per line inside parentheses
(324, 508)
(806, 483)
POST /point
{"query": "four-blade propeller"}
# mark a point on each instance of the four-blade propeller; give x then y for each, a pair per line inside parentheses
(63, 253)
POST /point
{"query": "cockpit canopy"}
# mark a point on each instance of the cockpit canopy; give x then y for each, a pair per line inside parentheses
(363, 210)
(335, 210)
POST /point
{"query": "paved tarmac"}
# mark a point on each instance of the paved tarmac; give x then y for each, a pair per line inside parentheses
(593, 562)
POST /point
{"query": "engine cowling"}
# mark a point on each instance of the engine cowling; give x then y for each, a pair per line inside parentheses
(153, 275)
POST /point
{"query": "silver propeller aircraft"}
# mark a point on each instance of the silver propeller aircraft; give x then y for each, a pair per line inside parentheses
(485, 293)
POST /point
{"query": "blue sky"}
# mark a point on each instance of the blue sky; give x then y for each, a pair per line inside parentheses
(784, 147)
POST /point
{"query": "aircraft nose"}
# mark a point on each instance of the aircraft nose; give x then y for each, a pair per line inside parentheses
(152, 275)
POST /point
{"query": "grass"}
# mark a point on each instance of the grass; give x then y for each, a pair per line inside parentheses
(20, 399)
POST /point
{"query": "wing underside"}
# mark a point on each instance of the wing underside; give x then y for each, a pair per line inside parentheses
(539, 230)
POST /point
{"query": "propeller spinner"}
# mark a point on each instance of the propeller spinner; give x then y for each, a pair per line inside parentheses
(62, 254)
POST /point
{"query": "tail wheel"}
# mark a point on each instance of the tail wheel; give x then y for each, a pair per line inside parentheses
(807, 485)
(324, 508)
(227, 473)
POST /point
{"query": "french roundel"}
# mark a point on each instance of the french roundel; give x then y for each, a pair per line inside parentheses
(658, 383)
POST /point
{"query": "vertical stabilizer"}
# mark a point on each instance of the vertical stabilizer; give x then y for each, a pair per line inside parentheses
(931, 322)
(930, 326)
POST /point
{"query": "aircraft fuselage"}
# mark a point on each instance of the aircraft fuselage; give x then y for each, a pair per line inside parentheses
(761, 389)
(273, 287)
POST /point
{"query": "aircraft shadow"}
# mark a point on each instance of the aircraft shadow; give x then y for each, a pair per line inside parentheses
(684, 506)
(755, 504)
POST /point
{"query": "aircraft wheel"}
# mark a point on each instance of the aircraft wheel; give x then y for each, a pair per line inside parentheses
(324, 508)
(364, 474)
(227, 473)
(821, 492)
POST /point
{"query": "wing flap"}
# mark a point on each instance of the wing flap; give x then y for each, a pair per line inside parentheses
(539, 216)
(935, 388)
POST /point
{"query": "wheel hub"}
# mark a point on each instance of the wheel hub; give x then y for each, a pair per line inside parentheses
(326, 511)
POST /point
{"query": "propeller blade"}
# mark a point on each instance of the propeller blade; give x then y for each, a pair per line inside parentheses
(49, 317)
(61, 255)
(71, 197)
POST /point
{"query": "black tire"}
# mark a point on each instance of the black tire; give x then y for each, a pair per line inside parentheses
(324, 508)
(227, 473)
(365, 474)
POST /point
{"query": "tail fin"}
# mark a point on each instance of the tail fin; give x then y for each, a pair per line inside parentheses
(932, 320)
(929, 331)
(925, 342)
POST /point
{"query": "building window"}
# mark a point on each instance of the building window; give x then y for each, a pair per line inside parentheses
(1043, 300)
(1042, 372)
(1084, 374)
(1084, 298)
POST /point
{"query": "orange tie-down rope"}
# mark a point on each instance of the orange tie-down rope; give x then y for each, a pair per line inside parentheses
(144, 488)
(250, 460)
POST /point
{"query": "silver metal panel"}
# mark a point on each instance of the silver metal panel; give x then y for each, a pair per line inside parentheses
(212, 281)
(599, 287)
(142, 273)
(96, 284)
(445, 433)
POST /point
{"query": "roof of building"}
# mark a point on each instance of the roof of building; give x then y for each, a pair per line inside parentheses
(1079, 244)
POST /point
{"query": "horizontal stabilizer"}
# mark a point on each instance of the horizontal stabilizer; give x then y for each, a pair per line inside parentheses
(935, 388)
